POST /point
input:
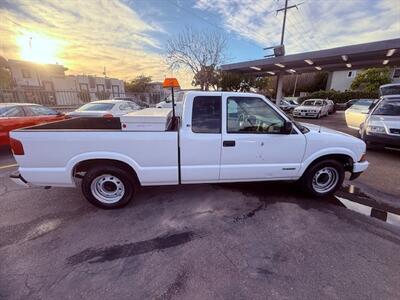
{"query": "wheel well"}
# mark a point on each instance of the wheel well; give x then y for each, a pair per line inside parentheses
(84, 166)
(346, 160)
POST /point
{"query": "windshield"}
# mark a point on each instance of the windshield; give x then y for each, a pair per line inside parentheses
(390, 90)
(96, 107)
(312, 103)
(362, 105)
(388, 108)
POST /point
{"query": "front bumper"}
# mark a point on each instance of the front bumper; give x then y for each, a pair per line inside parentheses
(305, 114)
(17, 178)
(358, 168)
(383, 139)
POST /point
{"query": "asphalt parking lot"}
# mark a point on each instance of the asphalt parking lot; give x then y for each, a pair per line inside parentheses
(216, 241)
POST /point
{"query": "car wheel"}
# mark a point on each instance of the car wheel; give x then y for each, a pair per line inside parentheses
(323, 178)
(108, 187)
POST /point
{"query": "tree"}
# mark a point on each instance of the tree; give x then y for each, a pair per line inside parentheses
(139, 84)
(206, 74)
(200, 52)
(369, 80)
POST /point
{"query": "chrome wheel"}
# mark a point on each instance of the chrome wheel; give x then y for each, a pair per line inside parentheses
(107, 188)
(325, 180)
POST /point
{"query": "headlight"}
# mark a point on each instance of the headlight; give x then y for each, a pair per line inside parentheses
(376, 129)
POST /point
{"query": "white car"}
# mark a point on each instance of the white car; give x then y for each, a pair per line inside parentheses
(167, 103)
(331, 106)
(312, 108)
(356, 114)
(219, 137)
(382, 125)
(101, 108)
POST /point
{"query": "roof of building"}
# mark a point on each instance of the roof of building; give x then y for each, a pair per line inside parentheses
(375, 54)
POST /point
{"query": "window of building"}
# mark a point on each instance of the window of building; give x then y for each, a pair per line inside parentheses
(26, 73)
(396, 73)
(92, 82)
(84, 86)
(206, 114)
(351, 74)
(252, 115)
(108, 84)
(100, 87)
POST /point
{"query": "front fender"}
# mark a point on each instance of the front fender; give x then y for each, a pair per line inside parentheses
(326, 151)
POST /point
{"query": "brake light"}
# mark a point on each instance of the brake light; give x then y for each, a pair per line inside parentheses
(108, 116)
(17, 147)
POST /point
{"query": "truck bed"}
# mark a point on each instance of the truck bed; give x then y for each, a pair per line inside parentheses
(74, 124)
(53, 150)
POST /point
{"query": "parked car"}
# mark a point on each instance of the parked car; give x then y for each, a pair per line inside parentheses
(222, 137)
(167, 102)
(291, 100)
(331, 106)
(357, 113)
(287, 106)
(18, 115)
(102, 108)
(141, 103)
(389, 89)
(311, 108)
(382, 125)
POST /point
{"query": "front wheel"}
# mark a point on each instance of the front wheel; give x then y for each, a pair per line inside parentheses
(323, 178)
(108, 187)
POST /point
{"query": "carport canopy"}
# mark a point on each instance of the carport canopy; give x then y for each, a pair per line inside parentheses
(375, 54)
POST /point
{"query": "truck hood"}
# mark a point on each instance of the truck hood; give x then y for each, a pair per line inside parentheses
(321, 137)
(322, 129)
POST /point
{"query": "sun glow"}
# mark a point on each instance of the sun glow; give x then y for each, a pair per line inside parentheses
(39, 48)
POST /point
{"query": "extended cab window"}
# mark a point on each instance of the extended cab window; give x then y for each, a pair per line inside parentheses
(252, 115)
(206, 114)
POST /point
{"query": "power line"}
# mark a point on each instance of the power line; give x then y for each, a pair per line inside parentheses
(209, 22)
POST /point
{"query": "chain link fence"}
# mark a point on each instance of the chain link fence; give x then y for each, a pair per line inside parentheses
(62, 99)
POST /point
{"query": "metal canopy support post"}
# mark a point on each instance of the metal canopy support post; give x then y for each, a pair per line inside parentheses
(173, 102)
(279, 87)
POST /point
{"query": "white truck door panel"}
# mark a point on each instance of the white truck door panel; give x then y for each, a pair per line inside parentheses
(253, 148)
(200, 139)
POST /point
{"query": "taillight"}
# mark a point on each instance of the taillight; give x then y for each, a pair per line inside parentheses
(16, 147)
(108, 116)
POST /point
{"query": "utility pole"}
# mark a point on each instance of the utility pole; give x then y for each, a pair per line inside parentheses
(279, 83)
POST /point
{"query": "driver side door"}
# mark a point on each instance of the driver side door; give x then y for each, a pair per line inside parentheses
(253, 145)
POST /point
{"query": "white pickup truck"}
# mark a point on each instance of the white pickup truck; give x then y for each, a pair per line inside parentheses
(219, 137)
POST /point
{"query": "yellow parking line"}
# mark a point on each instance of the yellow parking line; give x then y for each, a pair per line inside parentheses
(8, 166)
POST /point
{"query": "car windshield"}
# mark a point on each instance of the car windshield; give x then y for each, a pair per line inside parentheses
(390, 90)
(362, 105)
(388, 108)
(96, 107)
(312, 103)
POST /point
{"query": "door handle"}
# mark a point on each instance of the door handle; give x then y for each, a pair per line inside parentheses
(229, 143)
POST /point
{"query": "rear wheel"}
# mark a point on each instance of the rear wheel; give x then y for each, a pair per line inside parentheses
(323, 178)
(108, 187)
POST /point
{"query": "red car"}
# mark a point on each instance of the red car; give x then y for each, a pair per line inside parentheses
(17, 115)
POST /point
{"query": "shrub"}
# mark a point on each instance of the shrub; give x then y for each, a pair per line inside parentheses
(340, 97)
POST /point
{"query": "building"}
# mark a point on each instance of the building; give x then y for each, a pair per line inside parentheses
(342, 80)
(48, 84)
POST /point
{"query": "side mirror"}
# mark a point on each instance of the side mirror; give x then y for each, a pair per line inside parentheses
(287, 127)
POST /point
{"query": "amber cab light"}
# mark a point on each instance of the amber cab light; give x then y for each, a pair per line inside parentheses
(17, 147)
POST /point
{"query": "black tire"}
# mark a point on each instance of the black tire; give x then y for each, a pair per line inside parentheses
(122, 177)
(306, 181)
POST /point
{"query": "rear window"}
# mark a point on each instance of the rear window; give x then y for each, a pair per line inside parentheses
(96, 107)
(11, 111)
(206, 114)
(390, 90)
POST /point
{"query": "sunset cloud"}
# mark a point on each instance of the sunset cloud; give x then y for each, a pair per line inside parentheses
(90, 35)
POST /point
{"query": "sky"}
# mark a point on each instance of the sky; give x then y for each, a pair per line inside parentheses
(128, 37)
